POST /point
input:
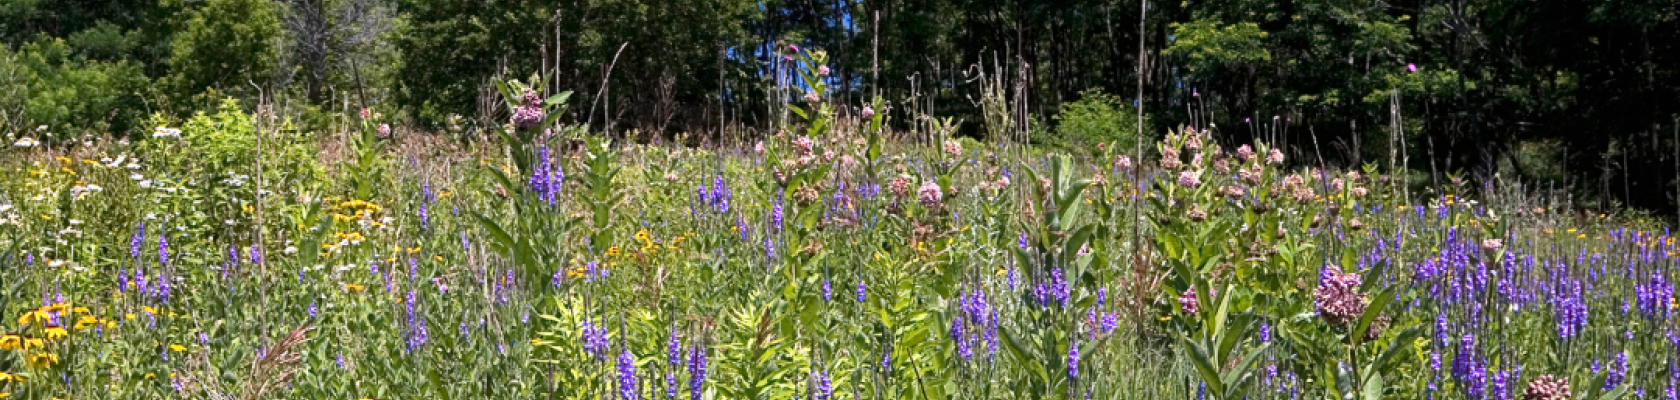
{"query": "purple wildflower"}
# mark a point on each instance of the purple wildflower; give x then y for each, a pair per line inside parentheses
(594, 339)
(696, 370)
(626, 376)
(825, 387)
(134, 243)
(1073, 360)
(163, 249)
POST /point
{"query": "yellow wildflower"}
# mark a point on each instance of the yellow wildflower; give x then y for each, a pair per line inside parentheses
(42, 360)
(351, 287)
(33, 343)
(642, 236)
(32, 316)
(85, 321)
(56, 332)
(612, 251)
(10, 377)
(11, 341)
(177, 348)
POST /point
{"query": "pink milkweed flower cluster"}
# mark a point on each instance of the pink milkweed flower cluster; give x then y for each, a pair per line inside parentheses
(929, 194)
(528, 114)
(1189, 179)
(1337, 298)
(1547, 387)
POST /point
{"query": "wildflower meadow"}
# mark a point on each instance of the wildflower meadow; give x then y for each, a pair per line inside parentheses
(229, 256)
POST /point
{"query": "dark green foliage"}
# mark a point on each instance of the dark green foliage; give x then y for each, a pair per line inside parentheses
(466, 43)
(1322, 79)
(226, 45)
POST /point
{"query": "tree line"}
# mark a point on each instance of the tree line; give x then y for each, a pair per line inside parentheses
(1574, 94)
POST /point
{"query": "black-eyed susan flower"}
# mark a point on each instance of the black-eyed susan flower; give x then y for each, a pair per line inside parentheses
(33, 316)
(351, 287)
(11, 341)
(42, 360)
(10, 377)
(56, 332)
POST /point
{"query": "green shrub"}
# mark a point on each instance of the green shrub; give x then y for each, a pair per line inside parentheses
(45, 85)
(1096, 118)
(211, 163)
